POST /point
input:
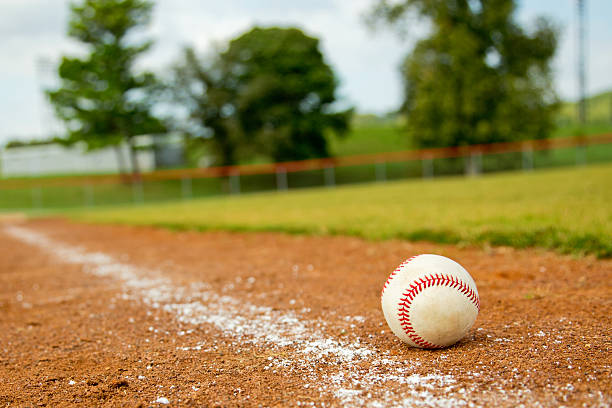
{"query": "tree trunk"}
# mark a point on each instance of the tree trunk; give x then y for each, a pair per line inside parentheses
(120, 160)
(134, 159)
(228, 151)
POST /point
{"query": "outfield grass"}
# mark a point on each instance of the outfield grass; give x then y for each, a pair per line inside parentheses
(569, 210)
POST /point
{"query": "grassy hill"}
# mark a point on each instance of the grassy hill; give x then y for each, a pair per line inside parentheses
(599, 110)
(376, 134)
(372, 134)
(599, 117)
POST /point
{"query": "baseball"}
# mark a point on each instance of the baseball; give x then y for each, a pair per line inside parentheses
(430, 301)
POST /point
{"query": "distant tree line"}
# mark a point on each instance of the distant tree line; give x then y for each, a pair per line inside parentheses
(36, 142)
(477, 77)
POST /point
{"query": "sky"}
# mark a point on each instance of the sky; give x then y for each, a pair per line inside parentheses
(34, 38)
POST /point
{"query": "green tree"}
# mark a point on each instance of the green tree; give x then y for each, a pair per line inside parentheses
(102, 101)
(286, 92)
(208, 95)
(270, 92)
(478, 77)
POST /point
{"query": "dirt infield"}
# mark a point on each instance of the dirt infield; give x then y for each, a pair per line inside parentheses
(126, 316)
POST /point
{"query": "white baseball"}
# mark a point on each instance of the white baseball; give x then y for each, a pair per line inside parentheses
(430, 301)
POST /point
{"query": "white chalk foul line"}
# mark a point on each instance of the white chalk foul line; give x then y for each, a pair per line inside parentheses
(196, 304)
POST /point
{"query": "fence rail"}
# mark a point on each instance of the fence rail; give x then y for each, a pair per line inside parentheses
(426, 163)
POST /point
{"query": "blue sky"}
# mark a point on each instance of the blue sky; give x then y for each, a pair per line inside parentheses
(365, 61)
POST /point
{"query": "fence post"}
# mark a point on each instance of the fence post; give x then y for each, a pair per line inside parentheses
(381, 171)
(234, 183)
(330, 176)
(527, 155)
(137, 191)
(88, 195)
(427, 165)
(473, 164)
(281, 179)
(37, 201)
(581, 155)
(186, 188)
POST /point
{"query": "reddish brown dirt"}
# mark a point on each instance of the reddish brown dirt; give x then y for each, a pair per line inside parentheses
(543, 336)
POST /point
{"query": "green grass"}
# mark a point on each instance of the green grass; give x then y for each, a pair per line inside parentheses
(599, 117)
(371, 134)
(569, 210)
(599, 109)
(573, 129)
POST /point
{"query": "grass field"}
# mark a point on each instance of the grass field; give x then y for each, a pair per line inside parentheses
(599, 109)
(371, 134)
(569, 210)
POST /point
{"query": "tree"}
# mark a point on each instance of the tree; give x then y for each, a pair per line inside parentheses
(478, 77)
(286, 92)
(270, 92)
(101, 99)
(208, 96)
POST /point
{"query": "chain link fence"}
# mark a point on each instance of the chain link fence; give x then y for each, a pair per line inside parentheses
(472, 161)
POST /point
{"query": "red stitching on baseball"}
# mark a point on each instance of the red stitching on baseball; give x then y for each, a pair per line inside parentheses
(405, 302)
(395, 273)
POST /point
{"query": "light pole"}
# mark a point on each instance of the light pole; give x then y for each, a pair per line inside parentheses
(45, 69)
(582, 108)
(581, 37)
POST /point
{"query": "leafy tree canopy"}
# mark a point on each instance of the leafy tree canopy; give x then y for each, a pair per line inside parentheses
(270, 90)
(478, 77)
(101, 99)
(205, 92)
(285, 91)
